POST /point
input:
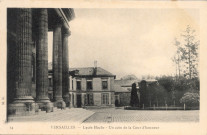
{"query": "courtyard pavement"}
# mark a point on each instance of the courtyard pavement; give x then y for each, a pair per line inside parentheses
(111, 115)
(120, 115)
(76, 115)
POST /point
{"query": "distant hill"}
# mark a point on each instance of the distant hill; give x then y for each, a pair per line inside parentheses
(129, 77)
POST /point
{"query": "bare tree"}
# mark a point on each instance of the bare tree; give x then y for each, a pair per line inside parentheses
(177, 58)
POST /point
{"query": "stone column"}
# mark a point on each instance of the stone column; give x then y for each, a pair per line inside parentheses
(82, 99)
(42, 61)
(23, 102)
(65, 64)
(70, 84)
(71, 100)
(75, 100)
(57, 65)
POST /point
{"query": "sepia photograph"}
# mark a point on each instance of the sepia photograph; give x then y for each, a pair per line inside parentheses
(104, 63)
(78, 69)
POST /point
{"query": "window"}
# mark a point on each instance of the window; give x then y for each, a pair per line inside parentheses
(105, 98)
(89, 99)
(89, 85)
(116, 97)
(78, 85)
(104, 84)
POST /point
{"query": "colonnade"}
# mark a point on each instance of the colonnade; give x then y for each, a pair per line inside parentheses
(23, 102)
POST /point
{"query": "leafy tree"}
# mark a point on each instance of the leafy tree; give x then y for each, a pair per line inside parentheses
(167, 88)
(186, 60)
(143, 92)
(166, 82)
(186, 56)
(190, 99)
(134, 102)
(189, 53)
(158, 94)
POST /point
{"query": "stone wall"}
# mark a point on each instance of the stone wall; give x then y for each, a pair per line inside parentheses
(97, 99)
(97, 84)
(83, 84)
(124, 98)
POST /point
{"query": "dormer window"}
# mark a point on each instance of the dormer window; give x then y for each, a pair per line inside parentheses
(76, 72)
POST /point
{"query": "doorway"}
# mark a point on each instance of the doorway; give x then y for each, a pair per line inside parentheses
(79, 100)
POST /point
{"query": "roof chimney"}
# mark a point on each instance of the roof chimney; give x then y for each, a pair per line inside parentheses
(95, 68)
(95, 64)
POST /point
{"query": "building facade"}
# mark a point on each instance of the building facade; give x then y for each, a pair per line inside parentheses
(122, 96)
(27, 58)
(89, 87)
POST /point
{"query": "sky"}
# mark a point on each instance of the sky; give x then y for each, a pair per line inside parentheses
(127, 41)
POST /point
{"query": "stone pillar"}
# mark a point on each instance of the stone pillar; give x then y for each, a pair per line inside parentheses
(23, 103)
(71, 100)
(42, 61)
(82, 99)
(57, 65)
(65, 64)
(75, 100)
(70, 84)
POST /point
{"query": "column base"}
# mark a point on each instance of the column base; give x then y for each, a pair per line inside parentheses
(66, 100)
(112, 105)
(60, 104)
(45, 105)
(22, 107)
(71, 105)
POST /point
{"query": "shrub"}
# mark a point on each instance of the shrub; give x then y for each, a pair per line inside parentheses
(190, 99)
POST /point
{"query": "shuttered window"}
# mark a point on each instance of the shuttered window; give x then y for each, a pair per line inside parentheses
(105, 98)
(89, 99)
(89, 85)
(78, 85)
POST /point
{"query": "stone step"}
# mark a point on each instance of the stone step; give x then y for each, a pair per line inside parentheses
(54, 115)
(72, 115)
(75, 115)
(64, 114)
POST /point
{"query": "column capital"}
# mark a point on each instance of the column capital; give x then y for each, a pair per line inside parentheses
(66, 32)
(59, 22)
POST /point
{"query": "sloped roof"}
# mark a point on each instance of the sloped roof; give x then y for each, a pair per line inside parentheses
(150, 80)
(118, 88)
(125, 83)
(128, 83)
(89, 71)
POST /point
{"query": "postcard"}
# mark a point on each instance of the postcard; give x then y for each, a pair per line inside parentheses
(103, 67)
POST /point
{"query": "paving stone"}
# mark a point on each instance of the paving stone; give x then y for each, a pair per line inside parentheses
(112, 115)
(74, 115)
(120, 115)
